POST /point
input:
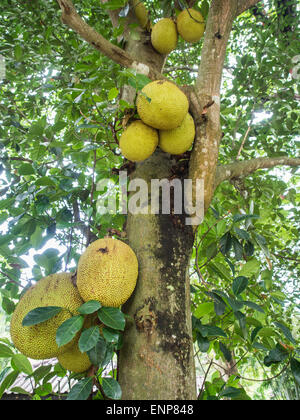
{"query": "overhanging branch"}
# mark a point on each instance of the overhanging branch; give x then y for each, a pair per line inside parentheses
(247, 167)
(71, 18)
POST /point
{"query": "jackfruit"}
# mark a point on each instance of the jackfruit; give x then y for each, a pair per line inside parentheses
(162, 105)
(164, 36)
(39, 341)
(141, 13)
(190, 25)
(107, 271)
(180, 139)
(138, 141)
(74, 360)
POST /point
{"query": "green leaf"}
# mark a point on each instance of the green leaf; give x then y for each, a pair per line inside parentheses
(68, 330)
(112, 317)
(253, 305)
(225, 243)
(111, 388)
(239, 285)
(22, 363)
(287, 333)
(41, 314)
(230, 392)
(111, 336)
(203, 309)
(238, 249)
(203, 342)
(242, 322)
(88, 338)
(81, 391)
(295, 367)
(221, 270)
(251, 267)
(5, 351)
(276, 355)
(26, 169)
(212, 331)
(226, 352)
(112, 94)
(89, 307)
(243, 234)
(8, 381)
(97, 354)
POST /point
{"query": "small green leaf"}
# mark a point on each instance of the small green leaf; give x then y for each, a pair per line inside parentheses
(26, 169)
(89, 307)
(203, 342)
(81, 391)
(112, 94)
(97, 354)
(276, 355)
(225, 243)
(112, 317)
(68, 330)
(295, 367)
(22, 363)
(287, 333)
(226, 352)
(41, 314)
(5, 351)
(89, 338)
(251, 267)
(110, 335)
(239, 285)
(253, 305)
(111, 388)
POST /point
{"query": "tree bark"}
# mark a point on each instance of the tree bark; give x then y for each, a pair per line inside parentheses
(156, 361)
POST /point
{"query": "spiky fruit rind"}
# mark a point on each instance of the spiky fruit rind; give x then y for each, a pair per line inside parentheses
(138, 141)
(39, 341)
(162, 105)
(164, 36)
(107, 271)
(180, 139)
(74, 360)
(190, 25)
(141, 13)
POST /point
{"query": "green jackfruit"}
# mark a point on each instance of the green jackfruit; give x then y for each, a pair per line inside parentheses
(164, 36)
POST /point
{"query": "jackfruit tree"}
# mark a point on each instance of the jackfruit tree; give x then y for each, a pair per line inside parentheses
(100, 102)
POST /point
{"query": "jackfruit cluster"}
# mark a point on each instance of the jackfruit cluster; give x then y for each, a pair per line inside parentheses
(164, 121)
(189, 24)
(107, 272)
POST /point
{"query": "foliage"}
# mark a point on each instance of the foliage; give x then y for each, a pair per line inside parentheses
(60, 122)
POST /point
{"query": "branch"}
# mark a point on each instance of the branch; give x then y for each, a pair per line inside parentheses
(244, 5)
(247, 167)
(72, 19)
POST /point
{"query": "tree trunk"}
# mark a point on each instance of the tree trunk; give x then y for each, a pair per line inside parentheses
(156, 361)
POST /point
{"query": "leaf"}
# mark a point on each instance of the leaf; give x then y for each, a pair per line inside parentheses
(230, 392)
(26, 169)
(276, 355)
(203, 309)
(240, 217)
(250, 268)
(253, 305)
(22, 363)
(225, 243)
(239, 285)
(238, 249)
(68, 330)
(254, 333)
(221, 270)
(81, 391)
(287, 333)
(5, 351)
(89, 307)
(111, 388)
(8, 381)
(111, 336)
(295, 367)
(212, 331)
(97, 354)
(226, 352)
(112, 94)
(112, 317)
(41, 314)
(242, 322)
(89, 338)
(243, 234)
